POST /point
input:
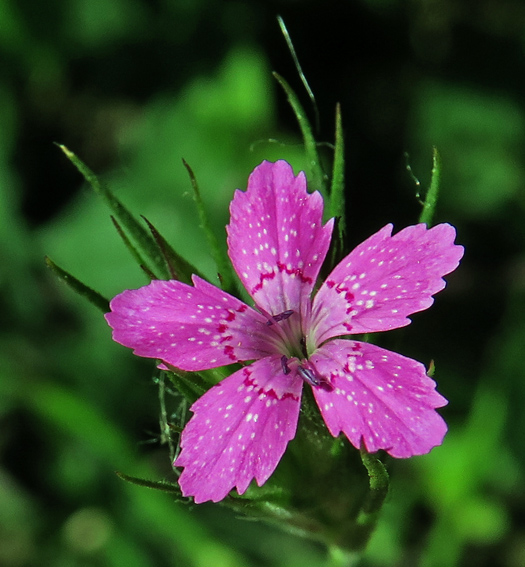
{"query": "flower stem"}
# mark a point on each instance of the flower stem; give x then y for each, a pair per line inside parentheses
(379, 483)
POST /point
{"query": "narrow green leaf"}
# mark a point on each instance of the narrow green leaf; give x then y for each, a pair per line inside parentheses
(134, 252)
(291, 48)
(164, 486)
(337, 188)
(222, 262)
(336, 205)
(316, 177)
(429, 206)
(125, 218)
(91, 295)
(178, 268)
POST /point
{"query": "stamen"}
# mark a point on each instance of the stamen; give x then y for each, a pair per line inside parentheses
(314, 379)
(279, 317)
(308, 376)
(284, 365)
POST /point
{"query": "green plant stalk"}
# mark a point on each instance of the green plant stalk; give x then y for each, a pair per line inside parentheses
(379, 484)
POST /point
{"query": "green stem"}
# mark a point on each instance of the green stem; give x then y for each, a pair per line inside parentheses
(379, 483)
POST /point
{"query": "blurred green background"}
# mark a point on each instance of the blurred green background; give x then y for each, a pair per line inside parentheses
(133, 86)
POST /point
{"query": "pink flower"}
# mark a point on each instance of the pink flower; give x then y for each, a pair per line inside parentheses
(277, 244)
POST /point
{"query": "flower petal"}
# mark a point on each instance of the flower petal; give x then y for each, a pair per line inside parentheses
(193, 328)
(385, 279)
(381, 397)
(276, 238)
(239, 431)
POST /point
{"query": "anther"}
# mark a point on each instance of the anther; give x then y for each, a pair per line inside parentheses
(284, 365)
(314, 379)
(280, 317)
(308, 376)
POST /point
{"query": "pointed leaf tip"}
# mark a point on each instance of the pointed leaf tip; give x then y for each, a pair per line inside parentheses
(133, 250)
(177, 267)
(76, 285)
(315, 174)
(127, 221)
(336, 206)
(302, 76)
(163, 486)
(222, 262)
(429, 206)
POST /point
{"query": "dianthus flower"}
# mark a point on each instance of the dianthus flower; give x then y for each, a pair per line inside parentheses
(277, 243)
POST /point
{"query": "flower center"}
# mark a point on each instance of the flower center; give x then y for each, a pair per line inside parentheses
(291, 343)
(290, 340)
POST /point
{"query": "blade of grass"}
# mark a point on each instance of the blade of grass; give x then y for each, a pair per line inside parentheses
(163, 486)
(76, 285)
(139, 234)
(178, 268)
(316, 177)
(224, 266)
(302, 76)
(337, 188)
(429, 206)
(133, 250)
